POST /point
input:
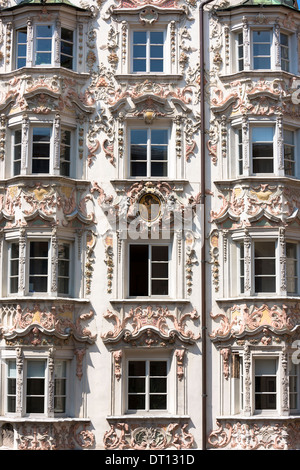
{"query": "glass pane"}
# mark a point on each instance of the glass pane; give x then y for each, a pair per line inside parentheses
(66, 62)
(21, 62)
(14, 285)
(136, 385)
(35, 405)
(66, 34)
(262, 134)
(158, 402)
(44, 45)
(136, 402)
(139, 51)
(264, 266)
(38, 249)
(159, 287)
(22, 36)
(262, 63)
(14, 267)
(35, 386)
(288, 137)
(261, 36)
(44, 31)
(59, 404)
(265, 284)
(265, 249)
(261, 49)
(138, 169)
(60, 369)
(38, 266)
(159, 136)
(12, 371)
(22, 50)
(14, 250)
(156, 65)
(265, 367)
(158, 385)
(35, 369)
(160, 270)
(263, 166)
(139, 37)
(156, 51)
(160, 253)
(11, 404)
(63, 285)
(284, 39)
(66, 48)
(139, 65)
(41, 134)
(159, 153)
(156, 37)
(38, 284)
(159, 169)
(137, 368)
(138, 136)
(158, 368)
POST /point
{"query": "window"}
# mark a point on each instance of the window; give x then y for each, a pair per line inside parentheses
(264, 267)
(262, 149)
(38, 266)
(148, 51)
(60, 380)
(66, 48)
(292, 268)
(147, 385)
(41, 137)
(17, 152)
(284, 52)
(240, 49)
(265, 384)
(240, 151)
(149, 270)
(21, 35)
(14, 268)
(65, 152)
(293, 385)
(149, 152)
(43, 45)
(289, 152)
(262, 49)
(11, 386)
(35, 386)
(63, 268)
(242, 268)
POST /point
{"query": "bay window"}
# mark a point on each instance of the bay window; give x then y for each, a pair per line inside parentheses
(38, 266)
(289, 152)
(41, 142)
(44, 50)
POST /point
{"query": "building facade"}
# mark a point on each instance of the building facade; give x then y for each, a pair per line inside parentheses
(149, 224)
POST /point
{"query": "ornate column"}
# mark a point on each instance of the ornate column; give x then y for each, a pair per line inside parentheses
(54, 262)
(29, 57)
(282, 259)
(19, 381)
(245, 145)
(50, 383)
(56, 52)
(56, 130)
(280, 145)
(22, 262)
(25, 137)
(247, 258)
(246, 40)
(285, 408)
(247, 380)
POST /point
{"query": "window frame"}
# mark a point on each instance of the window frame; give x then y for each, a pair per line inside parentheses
(148, 160)
(273, 158)
(150, 245)
(134, 29)
(266, 411)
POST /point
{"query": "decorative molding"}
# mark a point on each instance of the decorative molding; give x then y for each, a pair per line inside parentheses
(125, 435)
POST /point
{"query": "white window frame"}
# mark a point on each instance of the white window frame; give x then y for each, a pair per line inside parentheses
(35, 48)
(161, 29)
(162, 126)
(297, 274)
(150, 245)
(147, 385)
(277, 393)
(255, 30)
(274, 159)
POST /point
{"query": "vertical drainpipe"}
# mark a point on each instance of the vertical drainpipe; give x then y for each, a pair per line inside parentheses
(202, 206)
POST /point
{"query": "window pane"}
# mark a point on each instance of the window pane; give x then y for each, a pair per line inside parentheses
(156, 65)
(136, 402)
(156, 37)
(137, 368)
(158, 368)
(139, 51)
(159, 169)
(35, 369)
(159, 287)
(160, 253)
(261, 36)
(139, 37)
(44, 31)
(262, 134)
(138, 265)
(158, 402)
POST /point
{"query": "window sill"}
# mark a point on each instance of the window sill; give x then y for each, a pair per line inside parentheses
(251, 298)
(145, 415)
(19, 298)
(43, 419)
(258, 417)
(152, 75)
(147, 300)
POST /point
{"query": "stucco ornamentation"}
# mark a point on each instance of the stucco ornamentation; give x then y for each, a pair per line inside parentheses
(158, 437)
